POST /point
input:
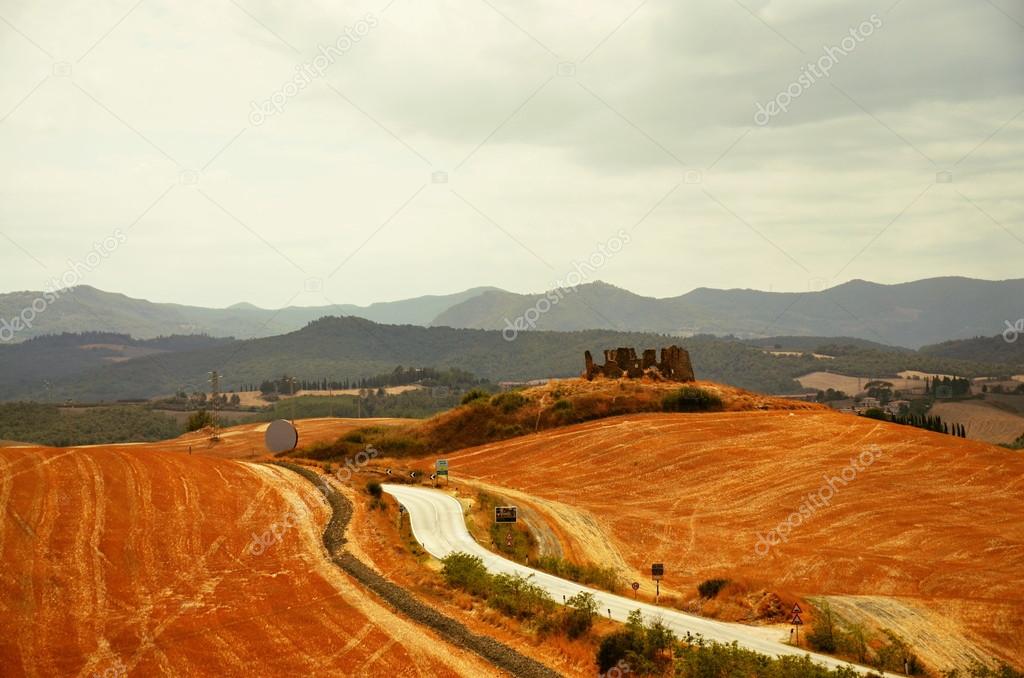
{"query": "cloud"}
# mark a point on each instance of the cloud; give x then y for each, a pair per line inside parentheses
(151, 127)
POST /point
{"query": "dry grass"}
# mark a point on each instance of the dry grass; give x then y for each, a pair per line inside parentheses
(558, 403)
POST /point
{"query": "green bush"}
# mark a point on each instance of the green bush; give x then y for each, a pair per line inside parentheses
(473, 395)
(691, 399)
(606, 578)
(979, 670)
(518, 597)
(199, 420)
(824, 635)
(644, 649)
(466, 572)
(508, 402)
(710, 588)
(562, 404)
(580, 612)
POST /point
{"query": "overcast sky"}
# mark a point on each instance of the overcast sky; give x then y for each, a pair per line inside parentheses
(448, 145)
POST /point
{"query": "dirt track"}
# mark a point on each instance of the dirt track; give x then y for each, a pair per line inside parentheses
(934, 520)
(142, 562)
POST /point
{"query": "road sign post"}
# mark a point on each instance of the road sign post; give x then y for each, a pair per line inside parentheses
(506, 514)
(657, 574)
(441, 469)
(797, 622)
(636, 587)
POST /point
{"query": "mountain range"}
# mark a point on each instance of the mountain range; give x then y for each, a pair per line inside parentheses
(909, 314)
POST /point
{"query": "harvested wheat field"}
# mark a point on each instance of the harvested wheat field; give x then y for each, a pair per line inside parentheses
(982, 420)
(137, 561)
(930, 523)
(246, 440)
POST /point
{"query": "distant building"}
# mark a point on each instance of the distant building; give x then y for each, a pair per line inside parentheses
(897, 407)
(869, 403)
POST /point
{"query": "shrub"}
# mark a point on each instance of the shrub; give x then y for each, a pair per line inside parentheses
(691, 399)
(518, 597)
(466, 572)
(978, 670)
(508, 402)
(473, 395)
(562, 404)
(606, 578)
(374, 488)
(200, 419)
(710, 588)
(580, 612)
(644, 649)
(824, 636)
(896, 654)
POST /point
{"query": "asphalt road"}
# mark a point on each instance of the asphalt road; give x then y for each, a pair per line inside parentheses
(439, 525)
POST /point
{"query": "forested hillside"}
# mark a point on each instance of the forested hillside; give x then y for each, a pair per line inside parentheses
(350, 348)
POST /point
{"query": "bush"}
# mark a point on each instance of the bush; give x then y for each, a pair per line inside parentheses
(711, 587)
(518, 597)
(643, 649)
(824, 636)
(691, 399)
(374, 488)
(580, 612)
(606, 578)
(473, 395)
(199, 420)
(979, 670)
(466, 572)
(562, 404)
(508, 402)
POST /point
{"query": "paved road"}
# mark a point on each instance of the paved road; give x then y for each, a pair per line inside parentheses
(439, 525)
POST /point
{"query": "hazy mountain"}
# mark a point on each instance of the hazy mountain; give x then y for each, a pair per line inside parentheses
(908, 314)
(86, 309)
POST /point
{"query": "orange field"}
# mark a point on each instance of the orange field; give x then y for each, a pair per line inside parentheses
(246, 440)
(132, 560)
(922, 532)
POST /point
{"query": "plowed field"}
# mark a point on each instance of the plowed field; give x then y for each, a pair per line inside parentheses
(132, 560)
(930, 519)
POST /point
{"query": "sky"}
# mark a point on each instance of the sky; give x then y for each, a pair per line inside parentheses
(252, 150)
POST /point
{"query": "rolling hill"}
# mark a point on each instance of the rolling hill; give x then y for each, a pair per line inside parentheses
(351, 348)
(32, 364)
(925, 538)
(132, 560)
(987, 349)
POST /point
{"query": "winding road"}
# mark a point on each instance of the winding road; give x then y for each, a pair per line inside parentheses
(439, 525)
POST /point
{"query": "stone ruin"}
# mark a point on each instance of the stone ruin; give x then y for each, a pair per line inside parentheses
(622, 362)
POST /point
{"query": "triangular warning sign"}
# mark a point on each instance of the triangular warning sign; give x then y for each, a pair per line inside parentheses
(796, 620)
(797, 609)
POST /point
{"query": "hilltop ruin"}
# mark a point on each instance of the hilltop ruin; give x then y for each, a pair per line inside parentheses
(622, 362)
